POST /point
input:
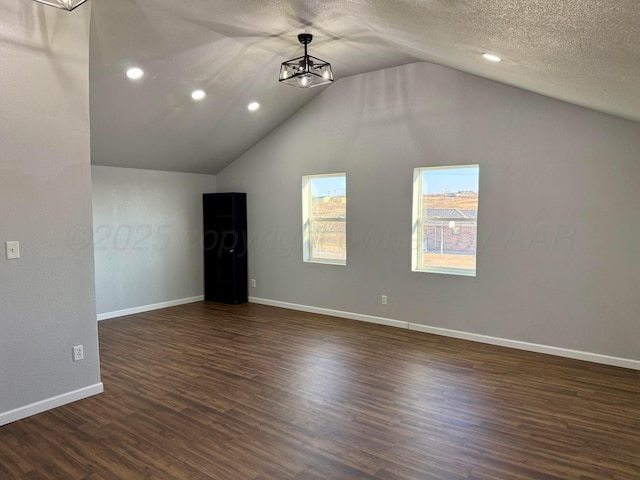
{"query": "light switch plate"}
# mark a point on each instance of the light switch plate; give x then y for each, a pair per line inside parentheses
(13, 250)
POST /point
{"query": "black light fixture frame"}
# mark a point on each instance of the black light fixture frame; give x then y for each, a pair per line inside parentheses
(68, 6)
(306, 71)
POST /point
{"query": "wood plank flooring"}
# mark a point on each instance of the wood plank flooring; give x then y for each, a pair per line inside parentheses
(249, 392)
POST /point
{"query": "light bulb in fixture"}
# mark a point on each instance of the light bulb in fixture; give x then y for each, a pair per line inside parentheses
(491, 58)
(327, 73)
(135, 73)
(253, 106)
(304, 81)
(198, 94)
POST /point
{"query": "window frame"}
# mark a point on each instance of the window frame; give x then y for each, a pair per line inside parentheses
(419, 220)
(308, 220)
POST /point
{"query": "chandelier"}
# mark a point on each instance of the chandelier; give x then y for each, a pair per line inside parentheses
(306, 71)
(63, 4)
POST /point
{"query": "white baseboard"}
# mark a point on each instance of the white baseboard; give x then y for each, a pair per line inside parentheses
(148, 308)
(49, 403)
(333, 313)
(474, 337)
(531, 347)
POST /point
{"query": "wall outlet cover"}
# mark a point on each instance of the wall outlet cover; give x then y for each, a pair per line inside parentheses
(78, 353)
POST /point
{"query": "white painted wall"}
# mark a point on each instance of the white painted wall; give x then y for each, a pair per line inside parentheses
(147, 236)
(558, 231)
(47, 298)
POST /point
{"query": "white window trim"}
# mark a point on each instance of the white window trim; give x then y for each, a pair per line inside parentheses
(418, 221)
(307, 220)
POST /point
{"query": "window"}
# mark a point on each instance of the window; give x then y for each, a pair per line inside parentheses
(445, 219)
(324, 218)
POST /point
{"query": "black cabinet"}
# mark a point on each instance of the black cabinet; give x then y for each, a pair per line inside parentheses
(225, 247)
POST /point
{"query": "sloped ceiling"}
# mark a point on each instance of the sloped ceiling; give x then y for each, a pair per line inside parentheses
(585, 52)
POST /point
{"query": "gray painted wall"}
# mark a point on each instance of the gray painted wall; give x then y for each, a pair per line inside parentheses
(147, 236)
(47, 298)
(558, 219)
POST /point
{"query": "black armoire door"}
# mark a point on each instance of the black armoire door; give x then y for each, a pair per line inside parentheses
(225, 247)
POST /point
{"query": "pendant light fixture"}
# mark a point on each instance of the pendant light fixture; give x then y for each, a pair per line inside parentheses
(306, 71)
(63, 4)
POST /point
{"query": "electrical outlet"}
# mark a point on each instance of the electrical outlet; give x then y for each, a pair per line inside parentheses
(253, 283)
(383, 299)
(78, 353)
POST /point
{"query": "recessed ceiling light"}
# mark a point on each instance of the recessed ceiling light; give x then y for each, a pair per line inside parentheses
(198, 94)
(135, 73)
(253, 106)
(491, 58)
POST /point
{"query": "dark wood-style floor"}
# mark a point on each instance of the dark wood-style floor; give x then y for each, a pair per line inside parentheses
(208, 391)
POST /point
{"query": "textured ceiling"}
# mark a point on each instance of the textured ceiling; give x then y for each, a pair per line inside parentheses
(586, 52)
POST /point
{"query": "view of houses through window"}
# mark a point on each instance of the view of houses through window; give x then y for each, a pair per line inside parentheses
(445, 219)
(445, 216)
(324, 218)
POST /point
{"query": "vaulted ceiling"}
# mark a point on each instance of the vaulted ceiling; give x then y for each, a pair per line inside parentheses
(585, 52)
